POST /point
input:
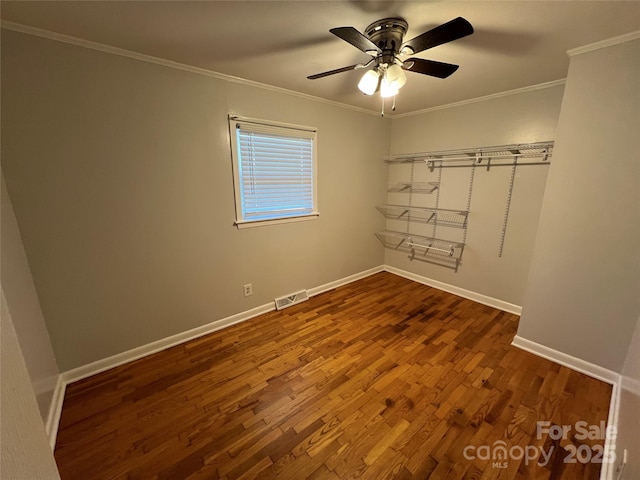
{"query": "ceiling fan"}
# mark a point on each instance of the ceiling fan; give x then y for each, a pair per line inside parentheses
(383, 41)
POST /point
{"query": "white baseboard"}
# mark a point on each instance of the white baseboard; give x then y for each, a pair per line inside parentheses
(573, 363)
(53, 386)
(461, 292)
(343, 281)
(55, 410)
(608, 469)
(118, 359)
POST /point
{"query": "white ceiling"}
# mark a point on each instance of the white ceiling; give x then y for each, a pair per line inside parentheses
(516, 44)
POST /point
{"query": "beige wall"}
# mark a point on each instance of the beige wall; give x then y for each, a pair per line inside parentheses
(583, 297)
(24, 448)
(120, 176)
(518, 118)
(17, 284)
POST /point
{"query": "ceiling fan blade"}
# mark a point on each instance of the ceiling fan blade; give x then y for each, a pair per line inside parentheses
(333, 72)
(429, 67)
(447, 32)
(357, 39)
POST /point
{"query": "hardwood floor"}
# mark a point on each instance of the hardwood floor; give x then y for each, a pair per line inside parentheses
(381, 378)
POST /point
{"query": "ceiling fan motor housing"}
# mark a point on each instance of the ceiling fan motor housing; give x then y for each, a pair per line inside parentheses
(387, 34)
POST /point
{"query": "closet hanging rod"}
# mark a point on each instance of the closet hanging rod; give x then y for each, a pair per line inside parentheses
(507, 151)
(429, 164)
(480, 158)
(428, 247)
(475, 158)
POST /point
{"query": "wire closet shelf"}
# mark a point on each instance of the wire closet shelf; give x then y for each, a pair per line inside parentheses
(413, 187)
(426, 215)
(498, 156)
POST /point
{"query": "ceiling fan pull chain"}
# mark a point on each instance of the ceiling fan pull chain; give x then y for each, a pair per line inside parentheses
(393, 107)
(382, 98)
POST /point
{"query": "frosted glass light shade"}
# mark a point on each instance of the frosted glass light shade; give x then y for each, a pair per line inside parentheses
(369, 82)
(396, 76)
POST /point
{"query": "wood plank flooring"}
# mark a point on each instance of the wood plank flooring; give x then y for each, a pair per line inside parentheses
(381, 378)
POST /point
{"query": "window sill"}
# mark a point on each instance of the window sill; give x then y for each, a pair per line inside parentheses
(275, 221)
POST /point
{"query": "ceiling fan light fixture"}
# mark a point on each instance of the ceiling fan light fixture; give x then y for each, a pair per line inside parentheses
(384, 41)
(369, 82)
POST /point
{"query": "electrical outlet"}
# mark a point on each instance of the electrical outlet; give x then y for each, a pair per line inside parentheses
(248, 290)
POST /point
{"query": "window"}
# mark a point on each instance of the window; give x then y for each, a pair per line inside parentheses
(274, 169)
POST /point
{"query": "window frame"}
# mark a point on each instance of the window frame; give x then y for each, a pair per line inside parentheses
(275, 128)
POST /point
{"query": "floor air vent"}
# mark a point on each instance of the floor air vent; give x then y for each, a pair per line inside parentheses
(288, 300)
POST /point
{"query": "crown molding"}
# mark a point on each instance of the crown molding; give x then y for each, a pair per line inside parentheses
(79, 42)
(609, 42)
(530, 88)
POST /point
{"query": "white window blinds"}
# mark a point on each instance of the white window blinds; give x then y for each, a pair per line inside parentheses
(274, 171)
